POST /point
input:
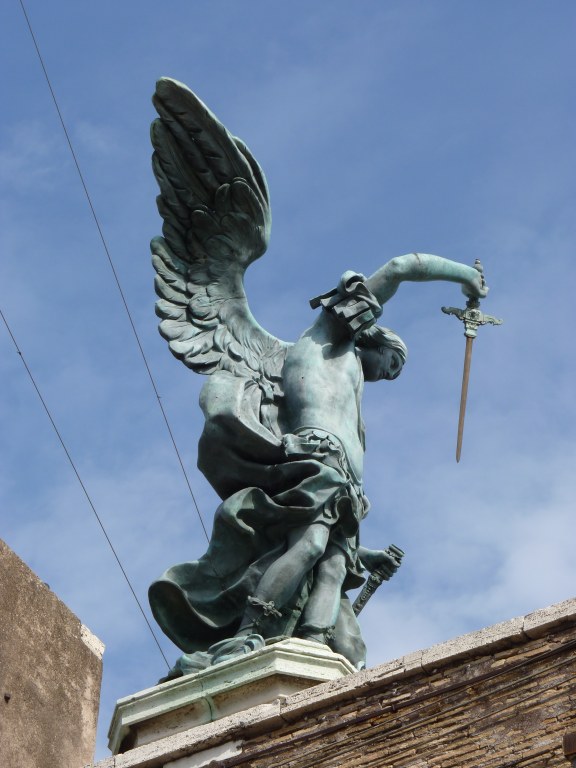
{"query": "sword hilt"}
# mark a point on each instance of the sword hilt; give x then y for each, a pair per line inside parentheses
(377, 576)
(471, 316)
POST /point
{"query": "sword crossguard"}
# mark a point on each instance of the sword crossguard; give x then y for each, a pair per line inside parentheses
(471, 317)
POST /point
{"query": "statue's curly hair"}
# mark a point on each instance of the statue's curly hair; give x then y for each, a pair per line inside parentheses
(378, 337)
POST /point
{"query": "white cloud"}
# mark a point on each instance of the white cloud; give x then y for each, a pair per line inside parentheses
(99, 139)
(30, 158)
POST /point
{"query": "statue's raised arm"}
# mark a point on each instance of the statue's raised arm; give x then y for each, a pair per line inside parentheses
(424, 267)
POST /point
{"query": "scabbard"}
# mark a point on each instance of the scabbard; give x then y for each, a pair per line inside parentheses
(374, 581)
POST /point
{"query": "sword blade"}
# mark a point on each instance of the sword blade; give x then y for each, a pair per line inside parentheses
(464, 394)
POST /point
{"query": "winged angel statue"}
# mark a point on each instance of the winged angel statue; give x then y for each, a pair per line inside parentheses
(283, 440)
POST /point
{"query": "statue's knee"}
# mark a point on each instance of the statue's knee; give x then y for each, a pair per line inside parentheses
(338, 569)
(312, 548)
(332, 570)
(314, 552)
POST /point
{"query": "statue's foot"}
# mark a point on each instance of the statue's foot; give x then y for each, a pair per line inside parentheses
(187, 664)
(235, 647)
(321, 635)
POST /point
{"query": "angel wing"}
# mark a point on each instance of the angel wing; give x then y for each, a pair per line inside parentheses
(214, 202)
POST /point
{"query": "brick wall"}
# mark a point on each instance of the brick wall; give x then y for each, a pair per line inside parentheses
(501, 697)
(509, 707)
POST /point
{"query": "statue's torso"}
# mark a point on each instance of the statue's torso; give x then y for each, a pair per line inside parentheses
(323, 384)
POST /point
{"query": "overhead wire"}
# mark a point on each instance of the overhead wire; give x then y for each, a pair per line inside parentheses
(114, 272)
(82, 485)
(136, 337)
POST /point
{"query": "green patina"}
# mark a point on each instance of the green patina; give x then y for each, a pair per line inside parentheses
(283, 441)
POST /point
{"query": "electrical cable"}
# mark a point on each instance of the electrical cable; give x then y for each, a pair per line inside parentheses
(115, 274)
(90, 502)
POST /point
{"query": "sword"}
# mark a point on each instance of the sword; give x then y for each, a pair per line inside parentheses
(376, 578)
(472, 319)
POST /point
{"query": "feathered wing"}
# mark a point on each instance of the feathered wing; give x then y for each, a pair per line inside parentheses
(214, 202)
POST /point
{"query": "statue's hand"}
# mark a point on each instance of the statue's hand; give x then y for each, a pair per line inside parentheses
(476, 286)
(380, 560)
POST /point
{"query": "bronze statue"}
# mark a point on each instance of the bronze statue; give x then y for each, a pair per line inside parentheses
(283, 440)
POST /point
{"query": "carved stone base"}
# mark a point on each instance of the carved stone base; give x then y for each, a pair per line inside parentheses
(280, 669)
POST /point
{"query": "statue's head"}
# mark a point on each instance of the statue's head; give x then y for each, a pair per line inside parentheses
(382, 353)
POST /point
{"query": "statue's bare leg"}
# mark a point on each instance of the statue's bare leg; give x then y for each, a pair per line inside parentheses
(306, 545)
(321, 611)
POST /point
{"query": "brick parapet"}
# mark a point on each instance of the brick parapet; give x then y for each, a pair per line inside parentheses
(497, 698)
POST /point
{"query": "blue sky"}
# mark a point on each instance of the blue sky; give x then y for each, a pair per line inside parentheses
(383, 127)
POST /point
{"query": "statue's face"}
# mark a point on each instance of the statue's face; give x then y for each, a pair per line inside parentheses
(378, 364)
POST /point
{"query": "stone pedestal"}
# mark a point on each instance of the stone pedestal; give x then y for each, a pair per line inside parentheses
(261, 677)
